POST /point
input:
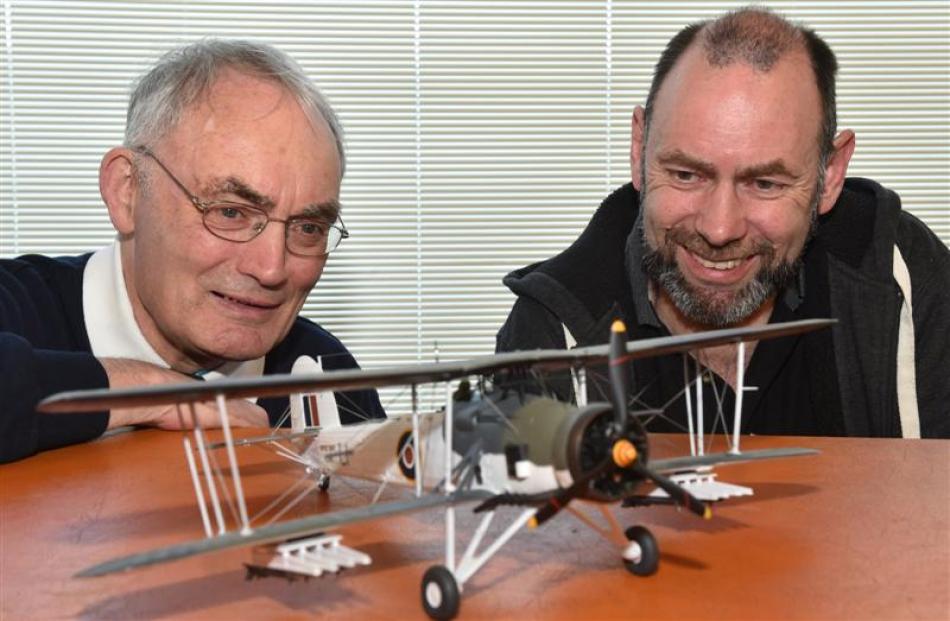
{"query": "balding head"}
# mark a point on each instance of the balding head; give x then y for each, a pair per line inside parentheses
(758, 38)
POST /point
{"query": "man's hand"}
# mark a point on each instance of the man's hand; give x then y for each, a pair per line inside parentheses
(128, 373)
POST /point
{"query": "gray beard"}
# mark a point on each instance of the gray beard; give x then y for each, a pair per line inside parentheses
(718, 309)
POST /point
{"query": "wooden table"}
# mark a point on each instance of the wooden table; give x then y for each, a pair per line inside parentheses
(860, 531)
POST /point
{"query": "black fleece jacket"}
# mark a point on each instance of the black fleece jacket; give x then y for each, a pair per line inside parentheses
(588, 284)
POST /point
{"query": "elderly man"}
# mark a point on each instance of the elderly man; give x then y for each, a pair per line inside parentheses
(225, 197)
(740, 214)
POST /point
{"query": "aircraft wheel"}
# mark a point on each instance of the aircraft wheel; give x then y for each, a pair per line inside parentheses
(324, 483)
(440, 593)
(649, 552)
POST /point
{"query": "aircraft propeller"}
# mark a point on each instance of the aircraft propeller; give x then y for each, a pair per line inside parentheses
(628, 445)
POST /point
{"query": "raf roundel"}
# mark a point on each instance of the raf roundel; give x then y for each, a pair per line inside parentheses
(406, 455)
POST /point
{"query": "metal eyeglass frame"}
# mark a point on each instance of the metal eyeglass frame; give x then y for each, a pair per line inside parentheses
(204, 207)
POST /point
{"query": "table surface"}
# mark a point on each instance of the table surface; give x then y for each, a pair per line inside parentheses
(859, 531)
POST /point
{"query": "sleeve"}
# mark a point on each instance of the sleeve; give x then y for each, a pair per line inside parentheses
(41, 354)
(530, 325)
(928, 261)
(27, 375)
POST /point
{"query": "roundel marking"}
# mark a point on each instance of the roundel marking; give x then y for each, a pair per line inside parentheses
(406, 456)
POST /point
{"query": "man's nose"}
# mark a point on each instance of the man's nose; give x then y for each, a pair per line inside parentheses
(264, 258)
(722, 218)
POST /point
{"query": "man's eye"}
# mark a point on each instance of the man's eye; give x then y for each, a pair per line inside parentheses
(229, 216)
(229, 211)
(767, 185)
(685, 176)
(313, 230)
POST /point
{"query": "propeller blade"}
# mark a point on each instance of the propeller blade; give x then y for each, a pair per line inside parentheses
(618, 373)
(560, 500)
(551, 508)
(679, 495)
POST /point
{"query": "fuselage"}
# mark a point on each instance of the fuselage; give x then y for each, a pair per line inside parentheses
(518, 444)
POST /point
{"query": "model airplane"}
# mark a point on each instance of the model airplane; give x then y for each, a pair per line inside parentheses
(491, 447)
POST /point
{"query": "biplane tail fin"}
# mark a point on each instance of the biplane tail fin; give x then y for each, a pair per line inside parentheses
(315, 409)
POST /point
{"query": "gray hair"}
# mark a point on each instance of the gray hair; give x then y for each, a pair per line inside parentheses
(183, 75)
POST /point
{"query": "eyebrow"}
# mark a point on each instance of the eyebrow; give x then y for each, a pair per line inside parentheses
(327, 210)
(775, 167)
(233, 185)
(677, 157)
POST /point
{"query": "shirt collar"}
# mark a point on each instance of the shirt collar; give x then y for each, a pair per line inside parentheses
(111, 326)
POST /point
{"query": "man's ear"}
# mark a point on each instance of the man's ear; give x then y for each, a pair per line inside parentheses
(836, 170)
(118, 186)
(637, 134)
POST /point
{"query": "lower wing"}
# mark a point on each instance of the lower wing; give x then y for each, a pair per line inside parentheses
(281, 531)
(695, 461)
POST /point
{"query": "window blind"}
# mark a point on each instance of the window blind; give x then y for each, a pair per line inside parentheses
(481, 135)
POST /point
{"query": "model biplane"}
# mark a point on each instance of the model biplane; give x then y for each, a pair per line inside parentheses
(492, 446)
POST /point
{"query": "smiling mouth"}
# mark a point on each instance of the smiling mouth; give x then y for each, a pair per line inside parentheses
(245, 302)
(718, 265)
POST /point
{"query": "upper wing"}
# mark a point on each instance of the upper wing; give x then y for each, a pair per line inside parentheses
(712, 459)
(278, 385)
(281, 531)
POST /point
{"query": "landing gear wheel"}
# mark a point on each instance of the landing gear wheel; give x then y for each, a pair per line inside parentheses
(649, 552)
(324, 483)
(440, 593)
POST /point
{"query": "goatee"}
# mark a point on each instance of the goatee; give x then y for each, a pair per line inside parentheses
(715, 308)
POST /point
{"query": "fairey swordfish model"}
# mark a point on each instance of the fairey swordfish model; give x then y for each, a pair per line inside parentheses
(494, 447)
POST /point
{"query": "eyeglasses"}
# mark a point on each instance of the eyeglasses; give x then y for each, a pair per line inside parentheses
(238, 222)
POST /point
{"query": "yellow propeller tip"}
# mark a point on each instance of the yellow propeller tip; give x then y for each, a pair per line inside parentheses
(707, 514)
(533, 522)
(618, 326)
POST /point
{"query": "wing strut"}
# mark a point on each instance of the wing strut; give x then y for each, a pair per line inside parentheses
(740, 389)
(700, 420)
(206, 467)
(232, 460)
(202, 506)
(417, 453)
(449, 485)
(689, 405)
(202, 446)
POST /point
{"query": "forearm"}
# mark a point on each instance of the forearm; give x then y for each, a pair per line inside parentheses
(125, 373)
(27, 375)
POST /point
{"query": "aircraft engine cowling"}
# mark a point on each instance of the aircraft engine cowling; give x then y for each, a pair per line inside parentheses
(583, 443)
